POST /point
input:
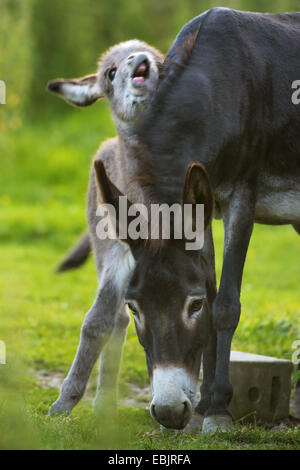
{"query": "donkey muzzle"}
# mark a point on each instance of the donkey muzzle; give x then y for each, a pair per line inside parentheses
(173, 416)
(171, 406)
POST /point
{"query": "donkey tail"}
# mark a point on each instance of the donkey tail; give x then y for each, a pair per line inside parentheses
(77, 256)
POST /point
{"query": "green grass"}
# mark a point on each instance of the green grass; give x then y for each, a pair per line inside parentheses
(43, 180)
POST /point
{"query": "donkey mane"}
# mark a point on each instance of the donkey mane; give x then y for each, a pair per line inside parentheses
(174, 64)
(154, 174)
(161, 179)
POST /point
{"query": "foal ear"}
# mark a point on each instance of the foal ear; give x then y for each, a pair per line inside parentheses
(198, 190)
(80, 92)
(109, 194)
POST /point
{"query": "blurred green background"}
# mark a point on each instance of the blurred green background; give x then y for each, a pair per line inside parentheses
(46, 149)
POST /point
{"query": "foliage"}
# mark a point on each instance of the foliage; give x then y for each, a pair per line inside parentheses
(15, 60)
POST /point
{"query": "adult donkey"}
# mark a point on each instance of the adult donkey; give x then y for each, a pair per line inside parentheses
(232, 73)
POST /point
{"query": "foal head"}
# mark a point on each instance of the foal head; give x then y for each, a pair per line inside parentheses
(127, 77)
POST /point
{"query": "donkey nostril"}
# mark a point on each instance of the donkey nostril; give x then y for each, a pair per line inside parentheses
(186, 410)
(152, 409)
(130, 57)
(176, 416)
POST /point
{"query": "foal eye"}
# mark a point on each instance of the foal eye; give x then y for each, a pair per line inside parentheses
(195, 306)
(112, 73)
(133, 309)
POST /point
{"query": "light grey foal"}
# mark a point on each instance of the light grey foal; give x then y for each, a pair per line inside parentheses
(127, 76)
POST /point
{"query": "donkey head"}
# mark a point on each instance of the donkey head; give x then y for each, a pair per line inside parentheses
(170, 296)
(127, 76)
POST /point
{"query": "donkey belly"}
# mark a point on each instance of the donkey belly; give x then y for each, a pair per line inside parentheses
(278, 200)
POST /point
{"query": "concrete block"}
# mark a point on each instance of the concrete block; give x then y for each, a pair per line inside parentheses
(261, 384)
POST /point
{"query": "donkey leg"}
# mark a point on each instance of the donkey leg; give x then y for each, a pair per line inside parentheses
(238, 225)
(209, 351)
(209, 368)
(96, 329)
(106, 396)
(217, 417)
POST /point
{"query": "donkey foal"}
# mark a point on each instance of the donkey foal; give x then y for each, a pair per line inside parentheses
(127, 76)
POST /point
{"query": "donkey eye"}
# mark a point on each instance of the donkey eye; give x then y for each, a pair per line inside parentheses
(112, 73)
(133, 309)
(195, 306)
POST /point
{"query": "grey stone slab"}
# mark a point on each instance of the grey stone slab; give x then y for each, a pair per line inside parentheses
(262, 386)
(237, 356)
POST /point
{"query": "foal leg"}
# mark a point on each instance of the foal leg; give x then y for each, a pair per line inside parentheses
(97, 327)
(106, 396)
(238, 224)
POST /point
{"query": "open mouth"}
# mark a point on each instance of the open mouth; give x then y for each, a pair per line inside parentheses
(141, 72)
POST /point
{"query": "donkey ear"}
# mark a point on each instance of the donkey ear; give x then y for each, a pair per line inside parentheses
(109, 194)
(80, 92)
(198, 190)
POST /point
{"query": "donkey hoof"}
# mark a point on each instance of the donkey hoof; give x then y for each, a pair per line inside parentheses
(195, 424)
(56, 409)
(217, 423)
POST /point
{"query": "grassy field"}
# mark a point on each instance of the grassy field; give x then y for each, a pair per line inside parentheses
(43, 179)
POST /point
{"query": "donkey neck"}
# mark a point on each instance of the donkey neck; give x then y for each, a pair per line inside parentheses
(128, 165)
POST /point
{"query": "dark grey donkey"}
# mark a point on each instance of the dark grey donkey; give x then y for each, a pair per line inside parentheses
(127, 76)
(226, 101)
(129, 93)
(233, 73)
